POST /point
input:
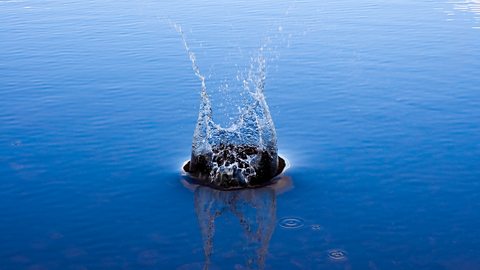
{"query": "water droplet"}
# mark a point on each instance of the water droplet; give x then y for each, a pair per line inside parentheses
(337, 254)
(291, 222)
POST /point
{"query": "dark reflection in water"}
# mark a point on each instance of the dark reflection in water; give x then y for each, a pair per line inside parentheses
(255, 211)
(252, 216)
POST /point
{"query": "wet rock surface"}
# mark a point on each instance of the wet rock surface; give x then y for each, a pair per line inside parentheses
(234, 167)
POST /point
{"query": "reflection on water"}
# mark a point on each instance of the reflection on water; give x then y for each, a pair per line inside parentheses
(251, 214)
(468, 6)
(255, 210)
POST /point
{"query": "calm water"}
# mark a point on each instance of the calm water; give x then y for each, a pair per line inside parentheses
(376, 105)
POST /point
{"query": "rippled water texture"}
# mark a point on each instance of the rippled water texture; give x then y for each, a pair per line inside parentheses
(467, 6)
(376, 106)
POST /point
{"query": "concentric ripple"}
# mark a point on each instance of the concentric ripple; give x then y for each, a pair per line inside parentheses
(337, 255)
(291, 222)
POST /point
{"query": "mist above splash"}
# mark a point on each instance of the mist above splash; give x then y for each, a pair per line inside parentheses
(245, 118)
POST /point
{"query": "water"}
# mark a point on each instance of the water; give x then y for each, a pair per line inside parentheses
(245, 153)
(375, 105)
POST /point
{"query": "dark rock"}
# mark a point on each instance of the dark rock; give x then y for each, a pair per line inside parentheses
(234, 167)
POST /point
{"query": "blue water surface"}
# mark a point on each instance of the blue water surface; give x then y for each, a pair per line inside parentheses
(376, 105)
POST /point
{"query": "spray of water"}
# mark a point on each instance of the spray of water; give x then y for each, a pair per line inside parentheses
(245, 151)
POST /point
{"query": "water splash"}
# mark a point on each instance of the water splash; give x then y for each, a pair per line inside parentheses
(245, 153)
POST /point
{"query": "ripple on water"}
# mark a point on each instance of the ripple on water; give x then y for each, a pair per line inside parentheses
(337, 255)
(291, 222)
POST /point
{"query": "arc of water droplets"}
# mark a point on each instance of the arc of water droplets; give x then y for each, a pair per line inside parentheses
(205, 112)
(178, 28)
